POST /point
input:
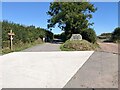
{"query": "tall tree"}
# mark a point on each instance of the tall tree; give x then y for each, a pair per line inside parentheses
(71, 17)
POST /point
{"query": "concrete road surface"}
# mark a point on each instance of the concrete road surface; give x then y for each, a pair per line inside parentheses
(60, 69)
(41, 69)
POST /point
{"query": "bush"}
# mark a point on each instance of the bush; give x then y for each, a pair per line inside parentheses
(116, 35)
(77, 45)
(49, 36)
(57, 36)
(89, 35)
(63, 36)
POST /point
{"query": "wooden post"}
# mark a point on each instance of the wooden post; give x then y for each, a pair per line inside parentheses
(11, 34)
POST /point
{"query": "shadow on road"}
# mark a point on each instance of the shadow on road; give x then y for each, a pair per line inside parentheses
(57, 41)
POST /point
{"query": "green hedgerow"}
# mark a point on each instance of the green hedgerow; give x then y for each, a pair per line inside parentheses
(89, 35)
(116, 35)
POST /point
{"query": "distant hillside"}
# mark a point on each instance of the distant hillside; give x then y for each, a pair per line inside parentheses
(105, 36)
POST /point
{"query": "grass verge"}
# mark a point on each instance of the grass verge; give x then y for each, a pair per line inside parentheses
(78, 45)
(21, 46)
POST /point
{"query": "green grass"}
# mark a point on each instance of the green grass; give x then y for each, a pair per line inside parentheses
(0, 51)
(78, 45)
(20, 47)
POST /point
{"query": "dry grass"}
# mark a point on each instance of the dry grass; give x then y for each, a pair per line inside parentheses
(77, 45)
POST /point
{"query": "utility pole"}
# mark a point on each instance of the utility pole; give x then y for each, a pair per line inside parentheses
(11, 34)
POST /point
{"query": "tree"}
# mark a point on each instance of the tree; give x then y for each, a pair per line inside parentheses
(71, 17)
(89, 35)
(116, 35)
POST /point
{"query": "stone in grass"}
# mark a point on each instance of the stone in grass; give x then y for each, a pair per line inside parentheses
(76, 37)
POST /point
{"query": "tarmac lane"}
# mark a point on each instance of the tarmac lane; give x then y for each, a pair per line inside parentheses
(100, 71)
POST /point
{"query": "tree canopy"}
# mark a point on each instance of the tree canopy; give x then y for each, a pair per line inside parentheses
(71, 17)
